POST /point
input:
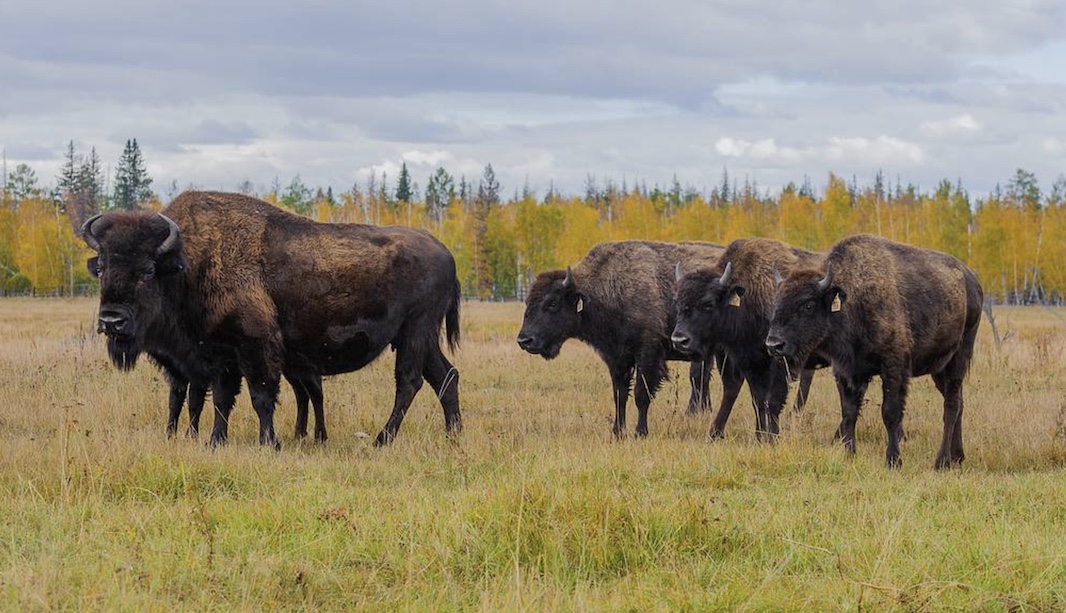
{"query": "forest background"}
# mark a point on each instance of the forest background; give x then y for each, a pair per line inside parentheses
(1013, 237)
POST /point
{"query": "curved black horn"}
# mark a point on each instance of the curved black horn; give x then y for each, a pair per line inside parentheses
(777, 276)
(824, 283)
(677, 272)
(172, 238)
(87, 232)
(727, 274)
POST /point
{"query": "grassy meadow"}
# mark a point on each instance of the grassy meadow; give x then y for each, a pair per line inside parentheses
(534, 507)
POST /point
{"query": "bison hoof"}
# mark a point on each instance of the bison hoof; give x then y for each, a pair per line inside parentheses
(716, 434)
(217, 441)
(383, 438)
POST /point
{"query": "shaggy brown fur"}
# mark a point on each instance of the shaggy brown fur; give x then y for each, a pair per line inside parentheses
(877, 307)
(284, 293)
(735, 312)
(619, 300)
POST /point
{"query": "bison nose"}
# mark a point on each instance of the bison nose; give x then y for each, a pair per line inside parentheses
(525, 341)
(681, 342)
(775, 345)
(112, 322)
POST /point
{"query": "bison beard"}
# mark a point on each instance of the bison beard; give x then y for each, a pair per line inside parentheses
(226, 279)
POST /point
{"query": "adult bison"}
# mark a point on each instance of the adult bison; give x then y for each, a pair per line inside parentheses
(219, 275)
(729, 305)
(619, 300)
(876, 307)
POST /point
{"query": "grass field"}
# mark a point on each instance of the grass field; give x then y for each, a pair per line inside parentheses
(534, 507)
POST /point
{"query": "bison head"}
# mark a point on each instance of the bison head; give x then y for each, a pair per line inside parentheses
(137, 255)
(805, 305)
(704, 301)
(553, 313)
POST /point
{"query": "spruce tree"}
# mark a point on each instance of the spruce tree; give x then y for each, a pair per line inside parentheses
(132, 183)
(404, 192)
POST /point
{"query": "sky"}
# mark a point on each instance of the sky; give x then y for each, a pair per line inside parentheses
(549, 92)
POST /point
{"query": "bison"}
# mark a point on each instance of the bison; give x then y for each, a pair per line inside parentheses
(729, 305)
(219, 278)
(619, 300)
(877, 307)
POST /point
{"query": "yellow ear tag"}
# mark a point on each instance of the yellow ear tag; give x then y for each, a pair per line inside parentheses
(833, 308)
(734, 300)
(580, 305)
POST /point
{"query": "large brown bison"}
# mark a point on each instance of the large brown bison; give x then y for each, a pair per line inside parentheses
(729, 305)
(619, 300)
(876, 307)
(220, 277)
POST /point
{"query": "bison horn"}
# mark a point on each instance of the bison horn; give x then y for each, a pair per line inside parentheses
(727, 274)
(824, 283)
(777, 276)
(677, 272)
(172, 238)
(87, 232)
(568, 281)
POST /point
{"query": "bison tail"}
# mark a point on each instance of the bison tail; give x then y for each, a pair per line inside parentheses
(451, 322)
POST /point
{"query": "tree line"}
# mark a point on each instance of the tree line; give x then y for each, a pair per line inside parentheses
(1014, 237)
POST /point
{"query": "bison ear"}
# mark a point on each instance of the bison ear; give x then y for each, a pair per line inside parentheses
(836, 297)
(735, 293)
(170, 264)
(93, 265)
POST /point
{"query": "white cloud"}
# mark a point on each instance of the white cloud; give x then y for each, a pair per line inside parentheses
(880, 151)
(1054, 146)
(883, 150)
(961, 124)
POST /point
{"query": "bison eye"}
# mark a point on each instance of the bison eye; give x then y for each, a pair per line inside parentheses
(553, 304)
(148, 275)
(808, 306)
(707, 307)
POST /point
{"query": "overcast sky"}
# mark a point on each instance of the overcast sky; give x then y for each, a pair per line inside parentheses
(547, 91)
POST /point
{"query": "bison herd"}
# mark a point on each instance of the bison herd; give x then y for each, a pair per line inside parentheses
(220, 288)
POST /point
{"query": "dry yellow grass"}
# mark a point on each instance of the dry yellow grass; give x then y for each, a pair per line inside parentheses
(534, 507)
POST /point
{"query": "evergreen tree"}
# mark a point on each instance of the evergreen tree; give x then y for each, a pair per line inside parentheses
(404, 191)
(132, 183)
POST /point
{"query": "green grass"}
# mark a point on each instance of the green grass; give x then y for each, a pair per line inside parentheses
(534, 507)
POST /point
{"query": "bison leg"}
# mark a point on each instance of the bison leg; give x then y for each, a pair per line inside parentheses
(308, 390)
(621, 376)
(732, 380)
(769, 389)
(804, 389)
(197, 397)
(302, 400)
(650, 374)
(950, 452)
(224, 389)
(178, 387)
(408, 372)
(444, 379)
(852, 392)
(892, 407)
(313, 387)
(699, 376)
